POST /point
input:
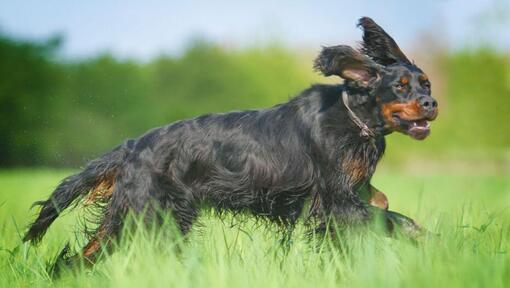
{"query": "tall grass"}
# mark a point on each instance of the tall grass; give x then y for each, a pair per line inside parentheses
(470, 214)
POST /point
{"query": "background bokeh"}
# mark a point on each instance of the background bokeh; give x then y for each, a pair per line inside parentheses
(76, 79)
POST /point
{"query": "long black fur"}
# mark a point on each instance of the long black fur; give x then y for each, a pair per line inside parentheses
(73, 188)
(266, 162)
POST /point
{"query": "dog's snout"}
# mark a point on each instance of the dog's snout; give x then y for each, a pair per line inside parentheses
(428, 103)
(428, 107)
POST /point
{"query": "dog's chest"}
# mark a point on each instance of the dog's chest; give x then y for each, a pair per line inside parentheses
(358, 162)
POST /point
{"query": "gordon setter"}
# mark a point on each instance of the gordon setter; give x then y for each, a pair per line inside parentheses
(321, 148)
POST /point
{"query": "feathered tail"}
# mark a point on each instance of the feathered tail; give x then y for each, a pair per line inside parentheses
(75, 187)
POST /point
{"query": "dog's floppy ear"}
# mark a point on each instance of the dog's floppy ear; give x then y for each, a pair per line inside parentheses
(379, 45)
(347, 63)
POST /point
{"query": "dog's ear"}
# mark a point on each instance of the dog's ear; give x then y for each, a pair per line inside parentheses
(379, 45)
(347, 63)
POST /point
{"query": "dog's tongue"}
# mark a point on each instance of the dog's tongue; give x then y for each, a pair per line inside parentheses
(419, 130)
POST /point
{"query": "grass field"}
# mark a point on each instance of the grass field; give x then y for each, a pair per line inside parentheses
(470, 212)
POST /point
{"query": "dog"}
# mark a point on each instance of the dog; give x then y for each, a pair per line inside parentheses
(320, 148)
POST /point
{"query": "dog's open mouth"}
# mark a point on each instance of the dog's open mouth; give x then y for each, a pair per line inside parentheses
(418, 129)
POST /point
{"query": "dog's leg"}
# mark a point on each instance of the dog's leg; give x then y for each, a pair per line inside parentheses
(174, 196)
(373, 196)
(138, 190)
(347, 209)
(378, 198)
(404, 224)
(92, 249)
(103, 238)
(143, 190)
(109, 193)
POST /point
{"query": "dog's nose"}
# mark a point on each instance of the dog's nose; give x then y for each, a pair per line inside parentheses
(428, 103)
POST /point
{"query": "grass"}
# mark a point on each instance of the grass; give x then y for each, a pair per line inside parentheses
(470, 212)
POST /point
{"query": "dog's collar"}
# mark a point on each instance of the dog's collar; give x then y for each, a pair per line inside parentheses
(365, 131)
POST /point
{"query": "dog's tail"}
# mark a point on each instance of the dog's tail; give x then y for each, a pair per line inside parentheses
(98, 173)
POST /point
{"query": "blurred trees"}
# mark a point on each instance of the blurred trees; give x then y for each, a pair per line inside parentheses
(28, 81)
(58, 112)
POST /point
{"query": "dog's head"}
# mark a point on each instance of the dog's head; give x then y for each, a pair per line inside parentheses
(401, 90)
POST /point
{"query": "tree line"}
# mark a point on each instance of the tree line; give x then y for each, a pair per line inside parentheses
(61, 112)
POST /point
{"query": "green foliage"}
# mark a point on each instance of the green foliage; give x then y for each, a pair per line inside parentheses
(56, 112)
(468, 212)
(27, 81)
(479, 90)
(60, 113)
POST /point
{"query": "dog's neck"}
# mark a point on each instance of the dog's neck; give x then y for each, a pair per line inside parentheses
(363, 110)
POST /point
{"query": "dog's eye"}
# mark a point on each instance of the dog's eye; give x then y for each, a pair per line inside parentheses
(426, 84)
(399, 86)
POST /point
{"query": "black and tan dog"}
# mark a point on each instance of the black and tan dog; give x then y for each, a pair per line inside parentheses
(322, 146)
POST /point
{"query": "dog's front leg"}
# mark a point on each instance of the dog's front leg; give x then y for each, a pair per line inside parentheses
(404, 225)
(353, 211)
(395, 221)
(373, 196)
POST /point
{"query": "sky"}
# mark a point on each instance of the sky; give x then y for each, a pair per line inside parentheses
(144, 29)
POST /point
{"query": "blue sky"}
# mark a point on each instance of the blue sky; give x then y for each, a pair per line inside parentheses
(147, 28)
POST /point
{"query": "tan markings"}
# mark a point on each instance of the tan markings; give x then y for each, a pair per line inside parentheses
(94, 245)
(371, 195)
(378, 198)
(355, 169)
(404, 80)
(423, 77)
(406, 111)
(102, 191)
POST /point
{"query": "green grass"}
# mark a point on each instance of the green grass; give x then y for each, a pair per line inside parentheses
(470, 212)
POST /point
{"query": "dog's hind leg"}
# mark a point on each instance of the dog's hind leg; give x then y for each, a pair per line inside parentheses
(142, 192)
(174, 196)
(114, 201)
(99, 241)
(102, 239)
(93, 248)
